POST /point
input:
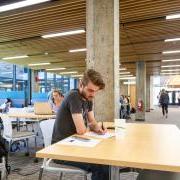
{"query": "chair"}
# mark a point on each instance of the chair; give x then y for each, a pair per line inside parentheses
(46, 127)
(3, 169)
(160, 175)
(11, 136)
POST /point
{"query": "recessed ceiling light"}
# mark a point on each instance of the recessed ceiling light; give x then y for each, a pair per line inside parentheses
(170, 70)
(170, 73)
(177, 65)
(124, 73)
(15, 57)
(69, 72)
(78, 75)
(20, 4)
(77, 50)
(122, 69)
(67, 33)
(173, 16)
(171, 40)
(55, 69)
(124, 78)
(171, 52)
(38, 64)
(129, 82)
(170, 60)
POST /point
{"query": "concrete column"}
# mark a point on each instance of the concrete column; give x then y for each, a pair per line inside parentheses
(147, 93)
(103, 54)
(140, 89)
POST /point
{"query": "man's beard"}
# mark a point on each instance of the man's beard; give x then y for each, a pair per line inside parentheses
(83, 94)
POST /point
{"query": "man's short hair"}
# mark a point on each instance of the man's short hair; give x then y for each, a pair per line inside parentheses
(93, 76)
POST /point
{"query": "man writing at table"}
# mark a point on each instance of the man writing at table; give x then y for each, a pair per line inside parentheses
(75, 115)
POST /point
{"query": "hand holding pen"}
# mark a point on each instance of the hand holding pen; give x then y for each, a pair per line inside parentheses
(102, 129)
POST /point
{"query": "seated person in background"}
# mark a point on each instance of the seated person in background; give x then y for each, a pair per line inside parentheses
(6, 105)
(57, 98)
(75, 115)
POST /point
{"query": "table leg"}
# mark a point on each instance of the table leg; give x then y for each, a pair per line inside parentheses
(114, 173)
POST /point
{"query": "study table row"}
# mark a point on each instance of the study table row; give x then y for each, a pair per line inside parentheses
(144, 146)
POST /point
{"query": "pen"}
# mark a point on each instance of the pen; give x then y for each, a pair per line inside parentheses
(102, 126)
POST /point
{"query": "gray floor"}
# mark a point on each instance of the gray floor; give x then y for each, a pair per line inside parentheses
(23, 168)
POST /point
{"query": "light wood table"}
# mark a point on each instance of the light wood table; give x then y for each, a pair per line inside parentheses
(31, 116)
(146, 146)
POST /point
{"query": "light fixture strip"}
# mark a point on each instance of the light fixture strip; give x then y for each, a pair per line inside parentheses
(20, 4)
(68, 72)
(173, 16)
(171, 52)
(170, 60)
(15, 57)
(171, 40)
(77, 50)
(166, 66)
(68, 33)
(170, 70)
(121, 73)
(38, 64)
(55, 69)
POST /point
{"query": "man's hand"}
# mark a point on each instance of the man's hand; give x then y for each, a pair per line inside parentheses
(99, 129)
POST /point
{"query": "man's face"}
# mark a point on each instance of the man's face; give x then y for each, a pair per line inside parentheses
(89, 91)
(56, 96)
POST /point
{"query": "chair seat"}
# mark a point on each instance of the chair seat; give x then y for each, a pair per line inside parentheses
(22, 134)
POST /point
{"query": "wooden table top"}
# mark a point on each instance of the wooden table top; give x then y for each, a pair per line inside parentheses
(148, 146)
(30, 115)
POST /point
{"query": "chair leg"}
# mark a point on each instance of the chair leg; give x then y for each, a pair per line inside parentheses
(85, 177)
(40, 173)
(60, 176)
(27, 152)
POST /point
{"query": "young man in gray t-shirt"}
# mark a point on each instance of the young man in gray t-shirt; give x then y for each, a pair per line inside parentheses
(75, 115)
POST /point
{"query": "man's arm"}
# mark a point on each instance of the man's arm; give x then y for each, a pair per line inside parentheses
(79, 123)
(93, 125)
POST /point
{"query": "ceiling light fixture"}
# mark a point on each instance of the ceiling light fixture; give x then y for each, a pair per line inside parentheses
(175, 73)
(15, 57)
(123, 73)
(129, 82)
(55, 69)
(177, 65)
(171, 40)
(170, 70)
(68, 33)
(39, 64)
(69, 72)
(170, 60)
(122, 69)
(171, 52)
(125, 78)
(20, 4)
(77, 50)
(173, 16)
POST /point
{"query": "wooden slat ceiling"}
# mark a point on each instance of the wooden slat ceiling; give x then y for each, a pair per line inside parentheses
(143, 29)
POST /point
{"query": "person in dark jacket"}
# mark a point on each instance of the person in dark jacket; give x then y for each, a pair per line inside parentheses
(164, 101)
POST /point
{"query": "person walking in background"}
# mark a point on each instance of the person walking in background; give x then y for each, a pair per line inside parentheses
(179, 98)
(164, 101)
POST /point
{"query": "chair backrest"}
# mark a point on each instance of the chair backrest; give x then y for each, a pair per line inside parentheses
(47, 130)
(7, 132)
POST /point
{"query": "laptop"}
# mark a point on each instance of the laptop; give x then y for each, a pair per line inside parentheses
(42, 108)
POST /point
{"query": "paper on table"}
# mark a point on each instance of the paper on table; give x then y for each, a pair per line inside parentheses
(78, 142)
(103, 136)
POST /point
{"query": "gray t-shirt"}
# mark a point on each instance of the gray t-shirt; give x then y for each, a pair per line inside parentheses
(64, 125)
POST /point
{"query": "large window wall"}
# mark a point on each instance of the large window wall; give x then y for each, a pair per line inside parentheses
(22, 84)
